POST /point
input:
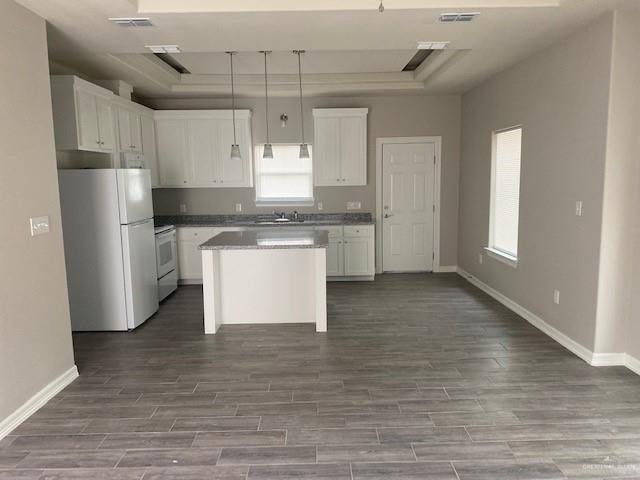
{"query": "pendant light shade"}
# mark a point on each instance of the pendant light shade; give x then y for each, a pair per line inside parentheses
(268, 149)
(235, 148)
(304, 148)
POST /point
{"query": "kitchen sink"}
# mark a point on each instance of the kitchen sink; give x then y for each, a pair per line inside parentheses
(278, 221)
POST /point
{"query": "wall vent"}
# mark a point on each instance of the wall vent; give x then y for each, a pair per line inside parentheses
(132, 22)
(458, 17)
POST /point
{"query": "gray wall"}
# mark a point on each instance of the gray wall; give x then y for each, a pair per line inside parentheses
(35, 330)
(618, 316)
(398, 116)
(560, 96)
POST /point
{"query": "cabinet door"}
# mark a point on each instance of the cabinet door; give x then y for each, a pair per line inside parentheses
(335, 258)
(148, 137)
(189, 260)
(124, 130)
(202, 146)
(105, 124)
(326, 152)
(353, 151)
(171, 138)
(233, 173)
(88, 134)
(358, 256)
(135, 132)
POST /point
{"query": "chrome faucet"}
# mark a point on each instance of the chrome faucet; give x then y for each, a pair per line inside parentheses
(296, 217)
(279, 215)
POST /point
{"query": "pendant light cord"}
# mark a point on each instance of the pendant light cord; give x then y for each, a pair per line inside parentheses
(233, 100)
(300, 82)
(266, 94)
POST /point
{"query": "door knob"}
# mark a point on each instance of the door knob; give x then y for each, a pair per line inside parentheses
(387, 215)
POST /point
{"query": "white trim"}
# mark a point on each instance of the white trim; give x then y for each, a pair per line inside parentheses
(502, 257)
(201, 114)
(37, 401)
(608, 359)
(436, 194)
(446, 269)
(632, 364)
(593, 359)
(573, 346)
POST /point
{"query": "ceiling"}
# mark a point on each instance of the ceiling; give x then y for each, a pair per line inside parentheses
(351, 48)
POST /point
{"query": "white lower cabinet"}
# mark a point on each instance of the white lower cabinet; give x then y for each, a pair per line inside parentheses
(351, 252)
(350, 256)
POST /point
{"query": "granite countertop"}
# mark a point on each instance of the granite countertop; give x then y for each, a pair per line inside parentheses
(268, 240)
(310, 220)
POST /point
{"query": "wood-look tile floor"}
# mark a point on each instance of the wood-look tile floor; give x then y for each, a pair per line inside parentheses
(418, 377)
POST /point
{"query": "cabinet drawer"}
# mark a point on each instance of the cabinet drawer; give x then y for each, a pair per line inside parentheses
(334, 231)
(196, 233)
(358, 230)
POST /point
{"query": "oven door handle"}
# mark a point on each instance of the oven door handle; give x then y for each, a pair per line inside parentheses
(163, 235)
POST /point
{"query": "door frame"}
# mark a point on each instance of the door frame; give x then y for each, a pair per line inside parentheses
(380, 142)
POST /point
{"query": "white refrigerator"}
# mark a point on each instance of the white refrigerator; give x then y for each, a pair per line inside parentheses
(109, 243)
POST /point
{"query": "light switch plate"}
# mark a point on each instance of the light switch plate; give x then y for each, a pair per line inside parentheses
(183, 208)
(480, 258)
(320, 206)
(354, 205)
(39, 225)
(579, 208)
(238, 207)
(556, 297)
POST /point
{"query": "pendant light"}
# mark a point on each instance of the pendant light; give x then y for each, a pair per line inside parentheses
(235, 148)
(304, 148)
(268, 149)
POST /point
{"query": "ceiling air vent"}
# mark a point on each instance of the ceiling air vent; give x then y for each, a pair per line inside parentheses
(458, 17)
(132, 22)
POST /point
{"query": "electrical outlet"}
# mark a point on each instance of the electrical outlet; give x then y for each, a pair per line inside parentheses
(556, 297)
(238, 207)
(319, 205)
(354, 205)
(579, 208)
(480, 258)
(39, 225)
(183, 208)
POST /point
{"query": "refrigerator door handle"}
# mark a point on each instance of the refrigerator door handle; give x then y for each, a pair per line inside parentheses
(138, 223)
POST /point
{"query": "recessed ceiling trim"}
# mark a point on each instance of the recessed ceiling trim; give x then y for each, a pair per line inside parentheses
(208, 6)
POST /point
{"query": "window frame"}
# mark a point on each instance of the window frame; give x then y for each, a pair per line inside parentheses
(492, 250)
(282, 202)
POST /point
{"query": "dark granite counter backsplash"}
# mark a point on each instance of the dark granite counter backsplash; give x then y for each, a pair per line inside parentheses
(310, 219)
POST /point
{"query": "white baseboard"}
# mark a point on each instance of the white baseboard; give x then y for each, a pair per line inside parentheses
(446, 269)
(608, 359)
(594, 359)
(632, 364)
(38, 400)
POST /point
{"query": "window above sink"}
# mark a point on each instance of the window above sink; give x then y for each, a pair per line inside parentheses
(285, 179)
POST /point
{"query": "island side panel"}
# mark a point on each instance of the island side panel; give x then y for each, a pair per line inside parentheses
(211, 291)
(321, 289)
(268, 286)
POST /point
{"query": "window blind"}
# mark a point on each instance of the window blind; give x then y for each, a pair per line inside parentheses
(506, 191)
(285, 178)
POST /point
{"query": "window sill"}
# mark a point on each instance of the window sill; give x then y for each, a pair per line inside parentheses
(285, 203)
(502, 257)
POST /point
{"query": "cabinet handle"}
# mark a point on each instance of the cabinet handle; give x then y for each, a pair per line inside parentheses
(184, 181)
(98, 142)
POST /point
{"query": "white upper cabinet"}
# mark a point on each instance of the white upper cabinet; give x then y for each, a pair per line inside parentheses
(82, 115)
(203, 157)
(129, 130)
(148, 141)
(171, 139)
(340, 146)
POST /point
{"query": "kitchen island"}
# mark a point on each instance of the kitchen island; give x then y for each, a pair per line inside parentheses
(270, 276)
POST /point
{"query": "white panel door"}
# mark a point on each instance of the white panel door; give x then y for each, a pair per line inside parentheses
(353, 151)
(89, 136)
(105, 124)
(408, 207)
(171, 138)
(326, 152)
(335, 258)
(203, 144)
